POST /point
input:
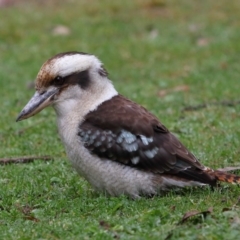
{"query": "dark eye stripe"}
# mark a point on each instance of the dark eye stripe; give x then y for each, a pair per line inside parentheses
(81, 79)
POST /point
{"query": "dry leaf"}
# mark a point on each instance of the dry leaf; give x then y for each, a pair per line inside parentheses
(226, 209)
(31, 218)
(27, 212)
(61, 30)
(194, 213)
(173, 208)
(104, 224)
(202, 42)
(107, 227)
(223, 65)
(153, 34)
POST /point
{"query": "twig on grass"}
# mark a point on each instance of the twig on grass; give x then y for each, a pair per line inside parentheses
(204, 105)
(228, 169)
(25, 159)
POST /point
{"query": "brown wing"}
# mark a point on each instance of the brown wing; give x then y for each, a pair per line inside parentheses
(122, 131)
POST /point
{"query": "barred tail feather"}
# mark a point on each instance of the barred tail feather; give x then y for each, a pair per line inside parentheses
(226, 177)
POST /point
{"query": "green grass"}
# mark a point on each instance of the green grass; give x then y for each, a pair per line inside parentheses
(147, 46)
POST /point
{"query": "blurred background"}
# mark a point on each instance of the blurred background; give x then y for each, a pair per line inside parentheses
(166, 55)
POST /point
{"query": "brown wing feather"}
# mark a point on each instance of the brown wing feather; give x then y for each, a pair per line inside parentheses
(123, 131)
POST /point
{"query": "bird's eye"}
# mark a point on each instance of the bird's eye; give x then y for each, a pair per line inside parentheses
(58, 80)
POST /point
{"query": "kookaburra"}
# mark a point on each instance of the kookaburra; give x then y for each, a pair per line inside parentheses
(114, 143)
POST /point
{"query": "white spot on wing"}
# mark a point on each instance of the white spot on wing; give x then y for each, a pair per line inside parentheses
(128, 137)
(119, 139)
(130, 147)
(146, 140)
(85, 138)
(97, 144)
(135, 160)
(151, 153)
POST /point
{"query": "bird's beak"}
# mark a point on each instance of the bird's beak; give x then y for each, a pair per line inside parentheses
(38, 102)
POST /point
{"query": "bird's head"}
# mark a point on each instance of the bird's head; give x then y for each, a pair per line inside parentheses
(65, 78)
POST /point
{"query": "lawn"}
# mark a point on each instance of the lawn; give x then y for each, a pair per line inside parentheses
(179, 59)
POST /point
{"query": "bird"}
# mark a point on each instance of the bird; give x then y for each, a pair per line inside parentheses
(117, 145)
